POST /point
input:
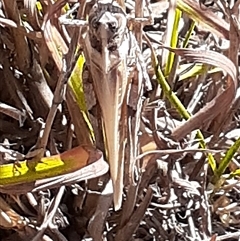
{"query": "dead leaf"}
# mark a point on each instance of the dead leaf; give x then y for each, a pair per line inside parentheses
(221, 103)
(82, 163)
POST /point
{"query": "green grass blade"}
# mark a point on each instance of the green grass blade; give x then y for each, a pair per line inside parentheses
(188, 35)
(174, 41)
(235, 173)
(187, 71)
(180, 108)
(226, 160)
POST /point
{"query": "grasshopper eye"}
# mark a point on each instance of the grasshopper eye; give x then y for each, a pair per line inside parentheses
(113, 26)
(94, 23)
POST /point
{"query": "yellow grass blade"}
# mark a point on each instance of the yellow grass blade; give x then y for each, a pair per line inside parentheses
(52, 166)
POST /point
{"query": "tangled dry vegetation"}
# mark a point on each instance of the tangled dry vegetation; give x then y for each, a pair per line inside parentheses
(181, 176)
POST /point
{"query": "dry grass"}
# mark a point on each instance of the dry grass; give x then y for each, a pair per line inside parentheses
(178, 126)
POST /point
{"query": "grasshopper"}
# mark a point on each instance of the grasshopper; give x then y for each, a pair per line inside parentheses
(113, 55)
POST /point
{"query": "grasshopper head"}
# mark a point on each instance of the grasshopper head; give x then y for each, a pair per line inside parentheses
(107, 25)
